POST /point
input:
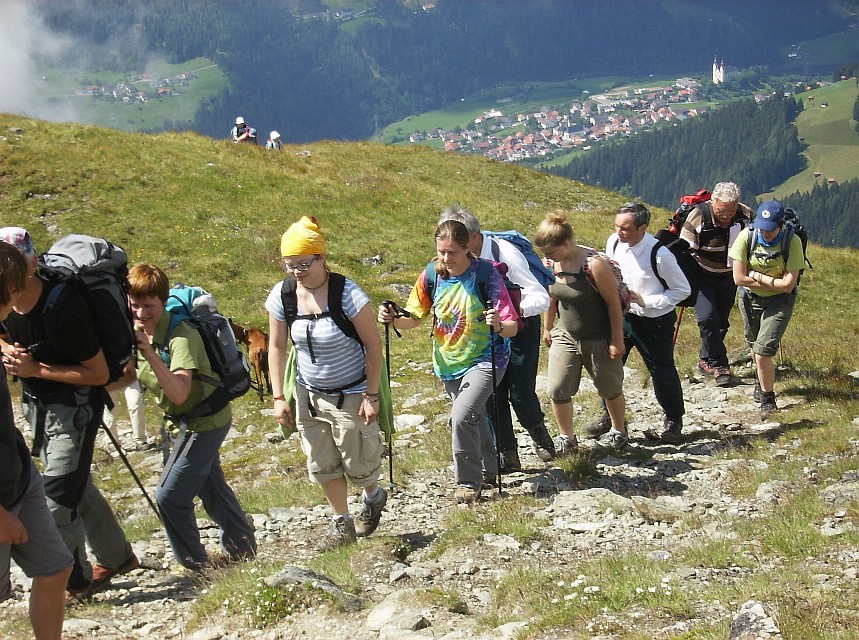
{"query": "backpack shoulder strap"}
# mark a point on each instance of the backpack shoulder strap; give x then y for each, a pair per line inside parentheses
(336, 285)
(430, 280)
(654, 265)
(289, 299)
(494, 248)
(484, 273)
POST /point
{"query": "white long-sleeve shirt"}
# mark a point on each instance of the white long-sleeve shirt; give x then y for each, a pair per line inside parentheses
(637, 270)
(535, 298)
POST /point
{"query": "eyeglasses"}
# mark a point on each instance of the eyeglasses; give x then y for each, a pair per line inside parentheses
(301, 267)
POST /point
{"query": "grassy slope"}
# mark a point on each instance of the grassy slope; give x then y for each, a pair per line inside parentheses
(212, 214)
(833, 144)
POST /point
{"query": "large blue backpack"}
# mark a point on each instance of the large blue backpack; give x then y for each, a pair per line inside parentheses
(198, 309)
(543, 274)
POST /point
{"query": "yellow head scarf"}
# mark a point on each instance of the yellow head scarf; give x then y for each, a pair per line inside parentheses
(303, 238)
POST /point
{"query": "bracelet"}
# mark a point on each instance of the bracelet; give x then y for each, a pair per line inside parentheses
(275, 398)
(772, 281)
(372, 397)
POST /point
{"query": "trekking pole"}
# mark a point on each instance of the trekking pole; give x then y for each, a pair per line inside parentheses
(389, 437)
(131, 469)
(494, 394)
(677, 326)
(399, 312)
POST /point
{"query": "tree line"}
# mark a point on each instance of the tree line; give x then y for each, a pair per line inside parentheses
(754, 145)
(312, 79)
(828, 212)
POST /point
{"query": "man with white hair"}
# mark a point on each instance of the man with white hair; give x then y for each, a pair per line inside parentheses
(710, 229)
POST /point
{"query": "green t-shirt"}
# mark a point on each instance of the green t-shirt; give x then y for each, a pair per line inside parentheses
(767, 260)
(186, 351)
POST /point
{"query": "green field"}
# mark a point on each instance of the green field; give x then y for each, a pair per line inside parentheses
(833, 144)
(828, 52)
(58, 91)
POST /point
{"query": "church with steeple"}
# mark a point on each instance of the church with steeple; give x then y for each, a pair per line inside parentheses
(721, 72)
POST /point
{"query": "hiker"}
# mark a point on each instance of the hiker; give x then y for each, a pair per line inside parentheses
(171, 370)
(136, 413)
(710, 229)
(589, 333)
(649, 323)
(274, 141)
(768, 276)
(242, 132)
(28, 533)
(462, 318)
(337, 391)
(519, 383)
(63, 372)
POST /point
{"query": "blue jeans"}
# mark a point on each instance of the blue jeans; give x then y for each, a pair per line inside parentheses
(197, 471)
(654, 339)
(716, 295)
(518, 387)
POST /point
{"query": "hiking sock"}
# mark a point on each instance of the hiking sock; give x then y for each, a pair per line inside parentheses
(373, 497)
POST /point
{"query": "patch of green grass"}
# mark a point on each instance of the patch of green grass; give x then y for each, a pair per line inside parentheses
(833, 143)
(571, 598)
(244, 594)
(511, 517)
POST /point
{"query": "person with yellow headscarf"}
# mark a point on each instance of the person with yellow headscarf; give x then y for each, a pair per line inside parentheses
(338, 376)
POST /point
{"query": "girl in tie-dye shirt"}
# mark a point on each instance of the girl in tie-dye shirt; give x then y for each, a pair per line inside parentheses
(462, 353)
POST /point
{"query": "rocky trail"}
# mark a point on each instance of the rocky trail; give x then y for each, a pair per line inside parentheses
(635, 501)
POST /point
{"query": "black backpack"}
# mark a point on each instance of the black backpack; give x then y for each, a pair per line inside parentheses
(336, 284)
(98, 271)
(790, 227)
(198, 309)
(679, 248)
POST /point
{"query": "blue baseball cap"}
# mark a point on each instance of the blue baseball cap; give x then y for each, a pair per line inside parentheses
(769, 216)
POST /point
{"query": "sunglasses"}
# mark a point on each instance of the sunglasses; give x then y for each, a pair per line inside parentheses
(301, 267)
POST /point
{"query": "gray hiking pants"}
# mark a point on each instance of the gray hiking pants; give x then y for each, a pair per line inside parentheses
(472, 442)
(80, 511)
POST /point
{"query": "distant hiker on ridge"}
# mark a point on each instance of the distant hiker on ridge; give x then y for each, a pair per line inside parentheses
(274, 141)
(242, 132)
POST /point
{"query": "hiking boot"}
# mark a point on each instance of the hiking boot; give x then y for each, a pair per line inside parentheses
(339, 534)
(78, 595)
(614, 439)
(101, 575)
(367, 521)
(594, 430)
(510, 460)
(566, 446)
(757, 394)
(768, 405)
(706, 368)
(490, 480)
(670, 432)
(466, 495)
(543, 445)
(723, 376)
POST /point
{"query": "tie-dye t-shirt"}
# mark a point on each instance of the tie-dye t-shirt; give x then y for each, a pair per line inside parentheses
(460, 332)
